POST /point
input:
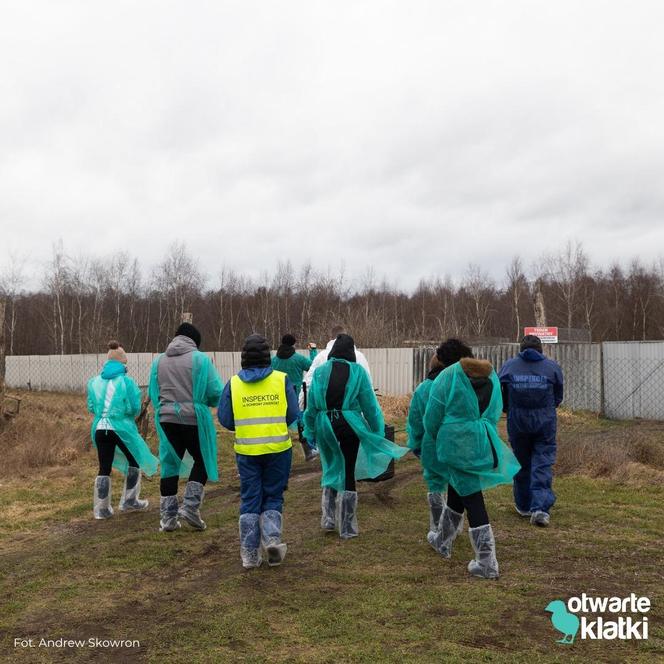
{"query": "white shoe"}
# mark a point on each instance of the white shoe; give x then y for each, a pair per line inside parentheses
(541, 519)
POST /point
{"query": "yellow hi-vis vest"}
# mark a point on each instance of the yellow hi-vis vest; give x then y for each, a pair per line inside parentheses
(259, 410)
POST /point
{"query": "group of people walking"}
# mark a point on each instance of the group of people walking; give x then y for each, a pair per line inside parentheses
(452, 427)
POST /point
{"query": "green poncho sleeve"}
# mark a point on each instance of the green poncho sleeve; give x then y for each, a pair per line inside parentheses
(362, 412)
(415, 424)
(207, 392)
(418, 439)
(466, 446)
(207, 388)
(125, 405)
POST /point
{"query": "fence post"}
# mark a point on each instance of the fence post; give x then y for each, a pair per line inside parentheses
(602, 409)
(2, 352)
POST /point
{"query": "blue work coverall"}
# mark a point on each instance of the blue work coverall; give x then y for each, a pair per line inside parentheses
(532, 387)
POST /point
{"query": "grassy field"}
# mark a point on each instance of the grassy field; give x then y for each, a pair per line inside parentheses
(382, 597)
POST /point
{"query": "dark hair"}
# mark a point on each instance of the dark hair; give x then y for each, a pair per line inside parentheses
(288, 340)
(113, 345)
(531, 341)
(451, 351)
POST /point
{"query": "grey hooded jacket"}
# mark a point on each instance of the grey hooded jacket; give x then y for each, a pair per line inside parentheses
(176, 382)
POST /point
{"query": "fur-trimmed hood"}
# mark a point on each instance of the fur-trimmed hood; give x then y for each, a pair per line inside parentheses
(476, 368)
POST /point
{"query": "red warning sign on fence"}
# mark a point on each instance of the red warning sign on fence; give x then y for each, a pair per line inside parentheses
(548, 335)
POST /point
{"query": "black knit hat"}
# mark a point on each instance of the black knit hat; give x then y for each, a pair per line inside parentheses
(288, 340)
(188, 330)
(256, 352)
(531, 341)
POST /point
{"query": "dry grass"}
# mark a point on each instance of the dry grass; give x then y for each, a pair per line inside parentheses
(50, 430)
(394, 408)
(624, 453)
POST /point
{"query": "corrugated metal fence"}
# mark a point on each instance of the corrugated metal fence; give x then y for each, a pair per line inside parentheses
(622, 380)
(581, 365)
(391, 369)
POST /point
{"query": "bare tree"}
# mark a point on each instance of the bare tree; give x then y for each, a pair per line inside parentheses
(57, 280)
(643, 287)
(517, 290)
(179, 280)
(79, 289)
(480, 289)
(566, 270)
(11, 287)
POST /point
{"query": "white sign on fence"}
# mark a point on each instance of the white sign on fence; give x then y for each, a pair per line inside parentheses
(547, 335)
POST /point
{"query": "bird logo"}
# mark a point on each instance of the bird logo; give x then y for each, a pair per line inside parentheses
(564, 621)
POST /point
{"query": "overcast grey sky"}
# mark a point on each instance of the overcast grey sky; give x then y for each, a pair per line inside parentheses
(411, 136)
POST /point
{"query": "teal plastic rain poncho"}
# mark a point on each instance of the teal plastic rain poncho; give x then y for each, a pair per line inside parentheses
(125, 406)
(294, 367)
(207, 389)
(461, 443)
(416, 434)
(362, 412)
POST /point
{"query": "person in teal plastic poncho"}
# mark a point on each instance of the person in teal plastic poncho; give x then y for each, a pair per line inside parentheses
(344, 417)
(460, 419)
(436, 484)
(295, 366)
(184, 385)
(115, 400)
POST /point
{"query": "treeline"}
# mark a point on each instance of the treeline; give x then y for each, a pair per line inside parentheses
(84, 301)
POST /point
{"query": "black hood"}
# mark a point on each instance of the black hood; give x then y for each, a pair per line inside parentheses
(343, 349)
(256, 352)
(284, 352)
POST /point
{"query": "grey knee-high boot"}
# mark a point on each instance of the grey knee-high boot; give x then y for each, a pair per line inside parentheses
(101, 505)
(271, 524)
(347, 514)
(485, 564)
(250, 540)
(436, 505)
(130, 500)
(191, 503)
(328, 508)
(449, 527)
(168, 512)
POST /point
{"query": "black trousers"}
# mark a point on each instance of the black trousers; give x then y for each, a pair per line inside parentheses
(183, 438)
(473, 505)
(106, 442)
(349, 444)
